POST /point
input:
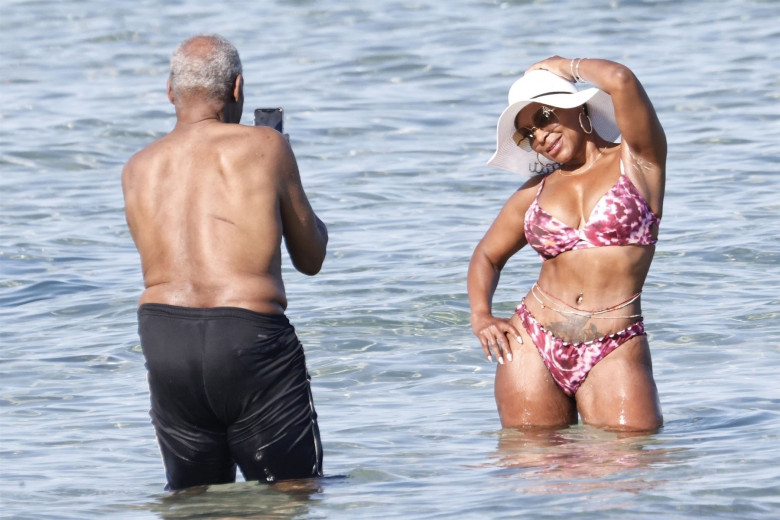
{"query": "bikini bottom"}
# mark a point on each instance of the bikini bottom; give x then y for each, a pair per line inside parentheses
(569, 363)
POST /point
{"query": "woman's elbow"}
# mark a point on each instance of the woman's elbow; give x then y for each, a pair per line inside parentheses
(622, 78)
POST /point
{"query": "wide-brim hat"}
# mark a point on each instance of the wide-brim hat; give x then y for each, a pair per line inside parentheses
(542, 86)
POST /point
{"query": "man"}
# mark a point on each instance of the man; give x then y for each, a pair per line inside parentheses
(207, 206)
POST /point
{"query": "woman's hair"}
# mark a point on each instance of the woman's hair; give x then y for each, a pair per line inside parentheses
(206, 65)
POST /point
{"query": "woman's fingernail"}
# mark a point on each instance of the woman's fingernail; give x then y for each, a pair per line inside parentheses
(490, 358)
(519, 339)
(509, 357)
(501, 360)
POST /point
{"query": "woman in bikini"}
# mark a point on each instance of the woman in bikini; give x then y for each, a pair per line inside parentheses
(591, 209)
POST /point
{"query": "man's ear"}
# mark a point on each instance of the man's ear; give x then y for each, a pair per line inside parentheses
(170, 91)
(238, 88)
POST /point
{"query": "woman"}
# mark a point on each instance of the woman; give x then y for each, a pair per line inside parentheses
(576, 343)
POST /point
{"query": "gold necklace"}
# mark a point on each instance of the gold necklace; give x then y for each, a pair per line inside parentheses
(586, 169)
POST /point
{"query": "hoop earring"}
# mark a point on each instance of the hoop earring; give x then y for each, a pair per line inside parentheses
(590, 123)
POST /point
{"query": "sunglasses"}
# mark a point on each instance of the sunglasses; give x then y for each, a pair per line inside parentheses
(524, 136)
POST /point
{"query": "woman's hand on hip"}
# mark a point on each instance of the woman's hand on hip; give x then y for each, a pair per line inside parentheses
(493, 335)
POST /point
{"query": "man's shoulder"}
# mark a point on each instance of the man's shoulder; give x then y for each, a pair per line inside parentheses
(144, 155)
(254, 143)
(244, 134)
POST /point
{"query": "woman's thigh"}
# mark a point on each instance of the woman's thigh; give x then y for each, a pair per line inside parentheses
(526, 394)
(619, 392)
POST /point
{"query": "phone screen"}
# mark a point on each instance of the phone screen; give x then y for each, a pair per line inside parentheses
(272, 117)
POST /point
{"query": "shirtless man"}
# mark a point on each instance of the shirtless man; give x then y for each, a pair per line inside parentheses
(207, 206)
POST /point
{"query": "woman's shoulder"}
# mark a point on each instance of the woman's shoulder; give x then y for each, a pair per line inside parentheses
(522, 198)
(534, 181)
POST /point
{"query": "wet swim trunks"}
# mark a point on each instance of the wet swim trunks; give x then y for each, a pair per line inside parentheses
(569, 363)
(621, 217)
(228, 386)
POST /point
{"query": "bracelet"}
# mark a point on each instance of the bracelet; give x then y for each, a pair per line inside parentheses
(577, 77)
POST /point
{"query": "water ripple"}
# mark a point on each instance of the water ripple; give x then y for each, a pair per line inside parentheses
(391, 109)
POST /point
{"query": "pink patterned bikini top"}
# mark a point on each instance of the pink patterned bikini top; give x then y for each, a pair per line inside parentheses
(621, 217)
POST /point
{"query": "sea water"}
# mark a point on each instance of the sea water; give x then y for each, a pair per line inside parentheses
(391, 108)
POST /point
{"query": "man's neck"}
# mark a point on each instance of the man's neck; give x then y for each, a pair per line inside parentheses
(188, 114)
(193, 112)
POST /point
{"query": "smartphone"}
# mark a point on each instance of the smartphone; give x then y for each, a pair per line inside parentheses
(273, 117)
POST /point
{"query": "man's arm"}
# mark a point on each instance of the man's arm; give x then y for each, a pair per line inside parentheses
(305, 235)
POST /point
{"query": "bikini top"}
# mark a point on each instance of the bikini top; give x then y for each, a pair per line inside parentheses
(621, 217)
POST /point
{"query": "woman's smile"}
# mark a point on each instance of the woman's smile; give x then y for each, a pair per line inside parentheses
(555, 146)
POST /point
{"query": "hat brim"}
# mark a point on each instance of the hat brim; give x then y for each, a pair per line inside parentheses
(508, 156)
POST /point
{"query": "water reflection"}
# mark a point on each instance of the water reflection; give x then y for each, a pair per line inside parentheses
(244, 500)
(579, 459)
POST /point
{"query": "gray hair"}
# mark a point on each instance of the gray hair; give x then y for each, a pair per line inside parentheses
(206, 65)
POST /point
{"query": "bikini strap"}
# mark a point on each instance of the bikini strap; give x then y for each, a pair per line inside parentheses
(539, 189)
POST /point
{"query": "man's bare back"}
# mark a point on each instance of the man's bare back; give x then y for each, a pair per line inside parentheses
(207, 206)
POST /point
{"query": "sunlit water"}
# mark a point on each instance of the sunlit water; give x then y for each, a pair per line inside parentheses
(391, 110)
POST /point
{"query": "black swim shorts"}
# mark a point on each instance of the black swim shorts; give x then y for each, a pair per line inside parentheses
(228, 386)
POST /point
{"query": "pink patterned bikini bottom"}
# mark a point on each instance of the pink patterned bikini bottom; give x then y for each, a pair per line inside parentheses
(569, 363)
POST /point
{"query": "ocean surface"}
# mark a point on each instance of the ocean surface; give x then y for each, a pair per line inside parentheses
(391, 109)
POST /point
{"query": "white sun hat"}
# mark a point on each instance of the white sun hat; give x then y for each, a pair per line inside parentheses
(544, 87)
